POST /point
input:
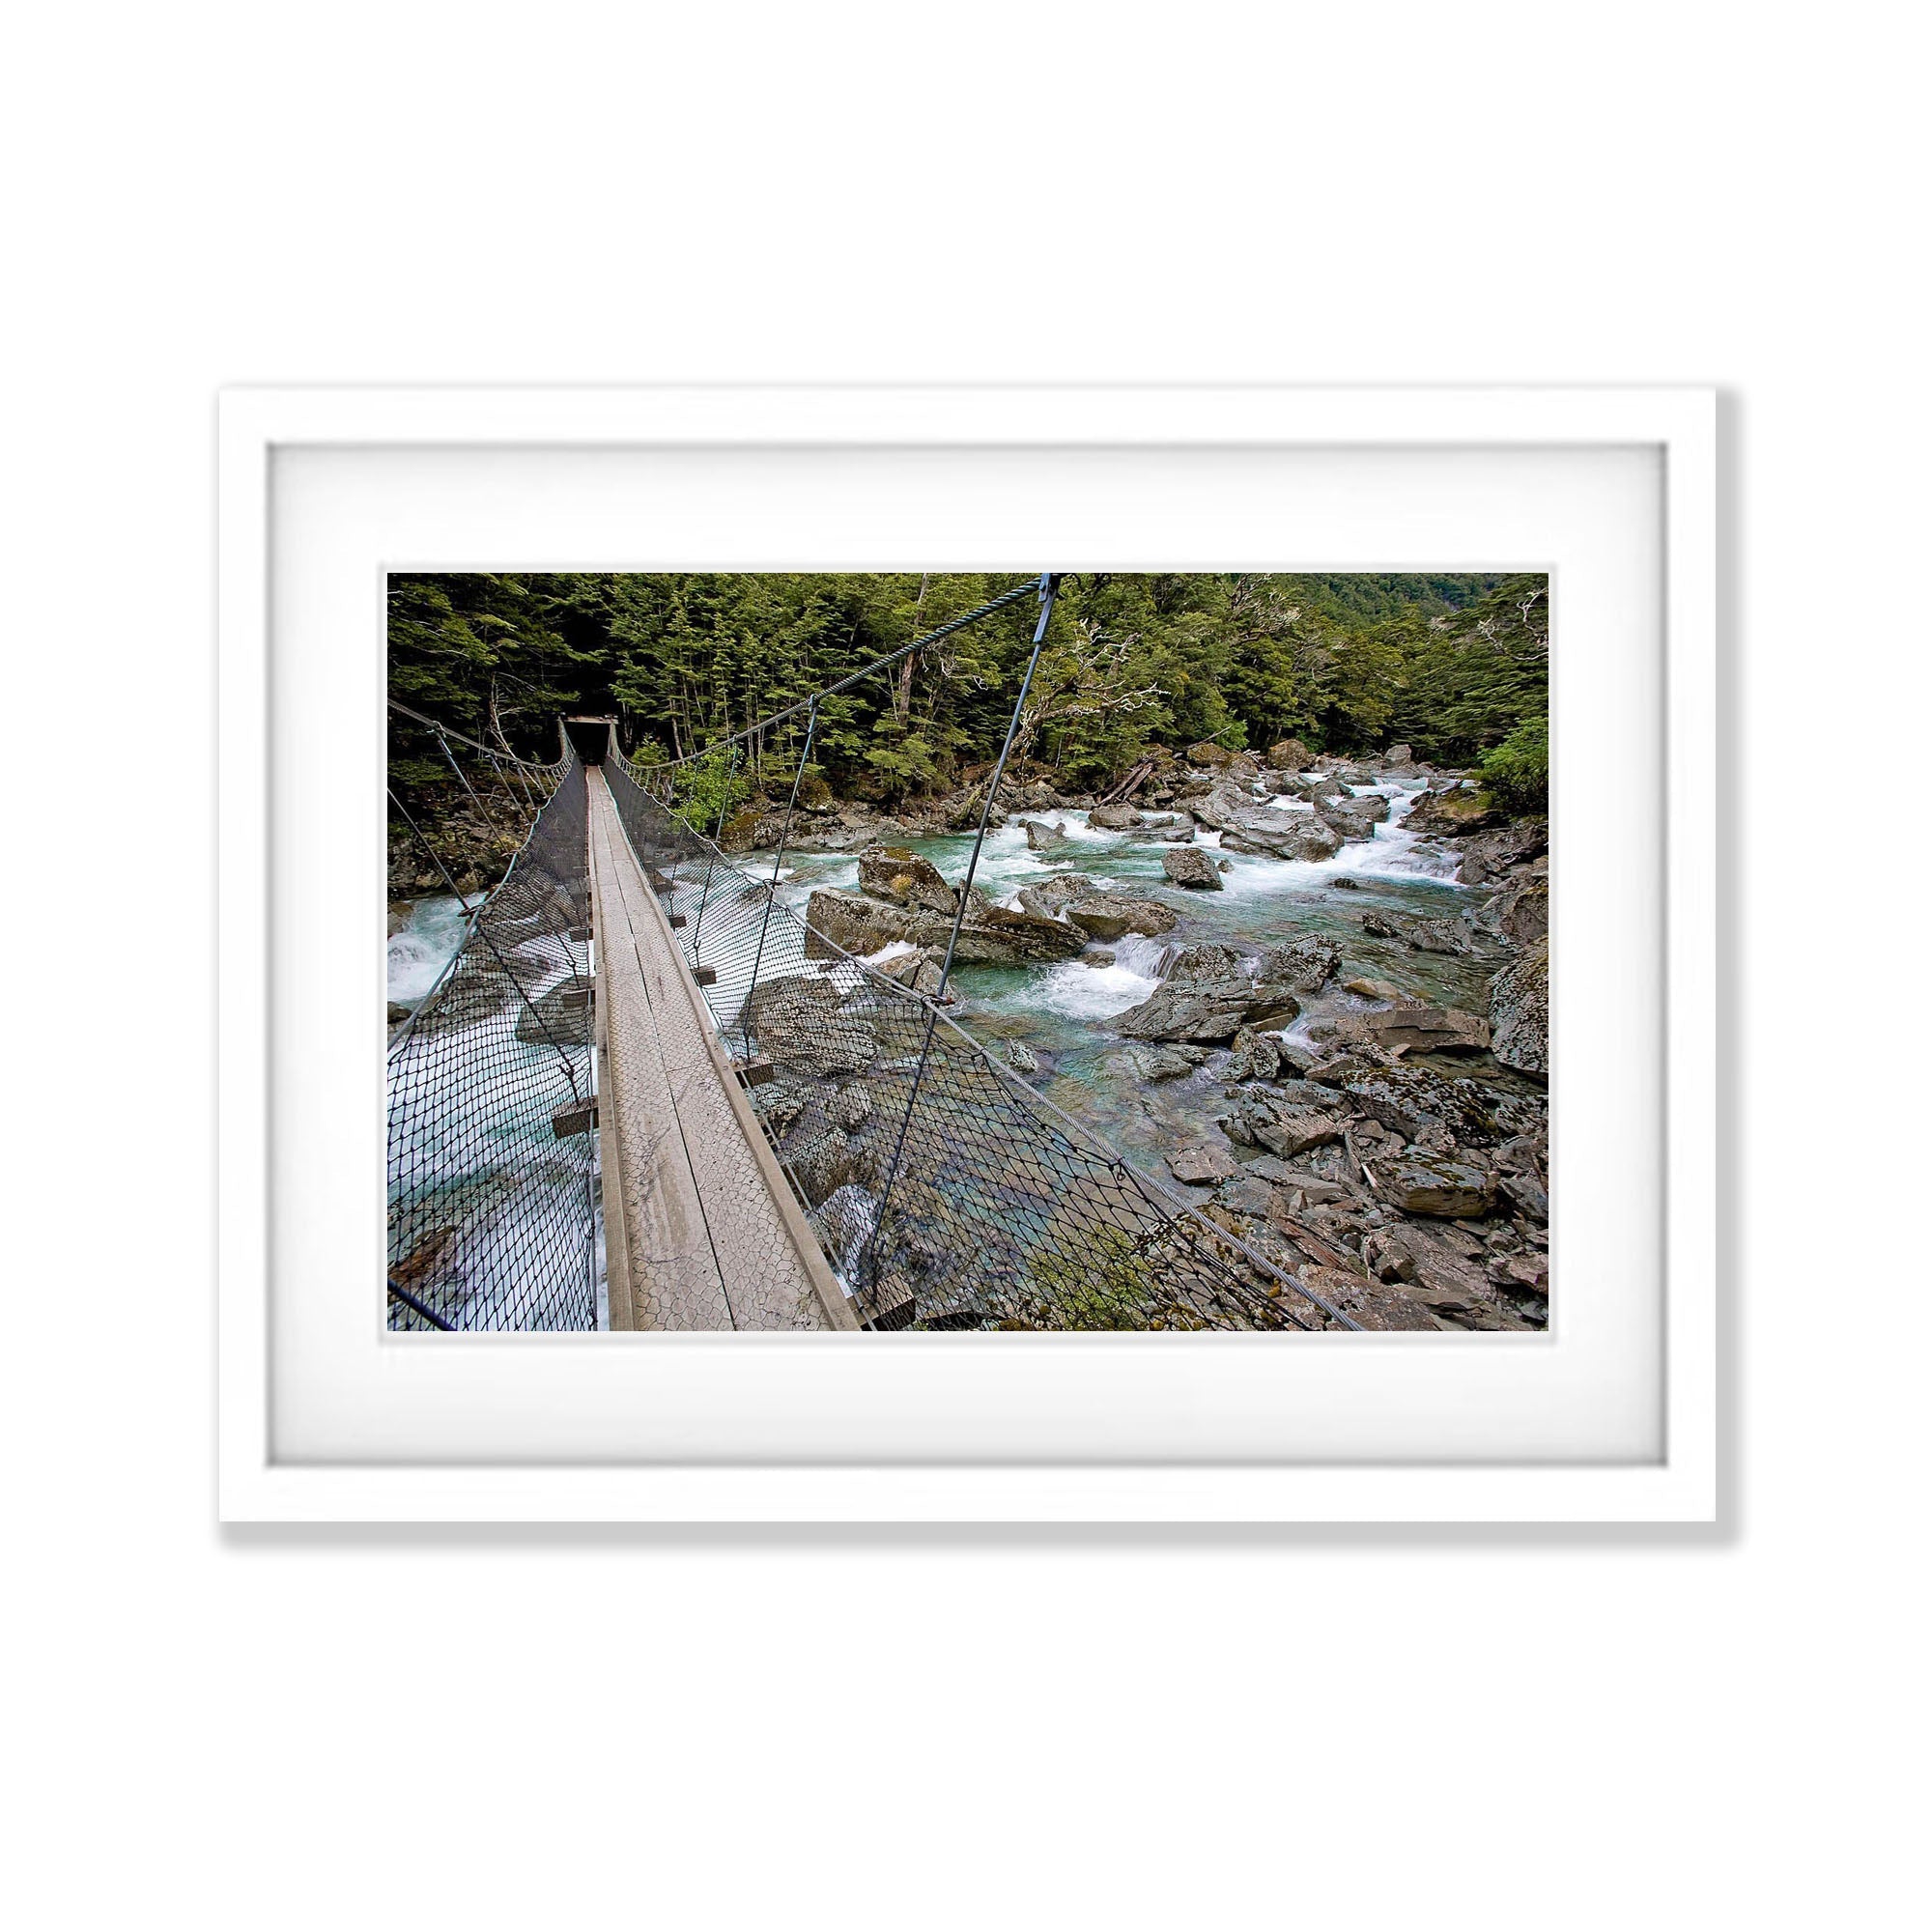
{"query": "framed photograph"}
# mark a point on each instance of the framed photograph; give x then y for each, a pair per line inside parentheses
(967, 955)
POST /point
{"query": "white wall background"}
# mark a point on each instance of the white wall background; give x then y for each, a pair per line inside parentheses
(697, 1730)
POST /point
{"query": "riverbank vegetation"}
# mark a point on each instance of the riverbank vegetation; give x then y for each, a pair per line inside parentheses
(1455, 665)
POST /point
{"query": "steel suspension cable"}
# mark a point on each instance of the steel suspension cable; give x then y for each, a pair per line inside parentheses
(1048, 586)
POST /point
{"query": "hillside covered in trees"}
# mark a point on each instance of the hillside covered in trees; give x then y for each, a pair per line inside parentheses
(1455, 665)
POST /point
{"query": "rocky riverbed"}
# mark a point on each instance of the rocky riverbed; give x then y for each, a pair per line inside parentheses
(1313, 992)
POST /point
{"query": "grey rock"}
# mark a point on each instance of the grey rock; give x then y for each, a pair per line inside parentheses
(1206, 960)
(1199, 1165)
(1354, 818)
(1307, 964)
(1165, 1062)
(799, 1025)
(892, 872)
(1207, 1010)
(1449, 1188)
(1188, 866)
(1019, 1055)
(1424, 935)
(1051, 896)
(919, 971)
(850, 1108)
(849, 922)
(1518, 914)
(1373, 989)
(1114, 914)
(1293, 1119)
(1244, 1193)
(1045, 837)
(1491, 857)
(1417, 1029)
(1257, 1056)
(1520, 1012)
(1114, 817)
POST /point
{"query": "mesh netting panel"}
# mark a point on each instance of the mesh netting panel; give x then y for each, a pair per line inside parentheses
(945, 1192)
(492, 1164)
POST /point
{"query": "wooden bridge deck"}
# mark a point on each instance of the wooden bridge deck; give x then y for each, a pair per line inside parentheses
(701, 1229)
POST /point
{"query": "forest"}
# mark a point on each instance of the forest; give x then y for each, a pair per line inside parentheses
(1457, 667)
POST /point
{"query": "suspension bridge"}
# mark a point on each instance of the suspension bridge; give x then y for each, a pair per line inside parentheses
(647, 1093)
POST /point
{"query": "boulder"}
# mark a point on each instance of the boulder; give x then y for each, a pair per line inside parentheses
(1257, 1056)
(1165, 830)
(1306, 964)
(1321, 790)
(1520, 1012)
(1526, 1194)
(1019, 1055)
(1368, 1303)
(1354, 818)
(1427, 1271)
(1417, 1029)
(850, 1108)
(917, 970)
(1095, 911)
(840, 921)
(1523, 1274)
(1207, 756)
(1114, 817)
(892, 872)
(1424, 1184)
(1200, 1166)
(1397, 757)
(1167, 1062)
(1520, 914)
(1418, 1102)
(1291, 1120)
(1204, 961)
(1208, 1011)
(1490, 857)
(1451, 815)
(1291, 754)
(1188, 866)
(799, 1025)
(1114, 914)
(1424, 935)
(1050, 898)
(1243, 1193)
(1045, 837)
(1371, 989)
(1305, 837)
(1265, 831)
(994, 933)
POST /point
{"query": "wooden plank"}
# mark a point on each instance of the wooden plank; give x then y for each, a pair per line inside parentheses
(674, 1282)
(767, 1265)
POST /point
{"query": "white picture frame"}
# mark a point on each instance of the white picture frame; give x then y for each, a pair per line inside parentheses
(1132, 1431)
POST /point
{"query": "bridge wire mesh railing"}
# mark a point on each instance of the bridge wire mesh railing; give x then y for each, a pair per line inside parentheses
(492, 1153)
(999, 1211)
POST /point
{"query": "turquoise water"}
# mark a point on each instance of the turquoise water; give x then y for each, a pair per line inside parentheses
(1063, 1011)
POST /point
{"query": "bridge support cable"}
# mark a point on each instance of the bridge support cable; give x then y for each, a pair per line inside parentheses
(491, 1149)
(1049, 584)
(943, 1190)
